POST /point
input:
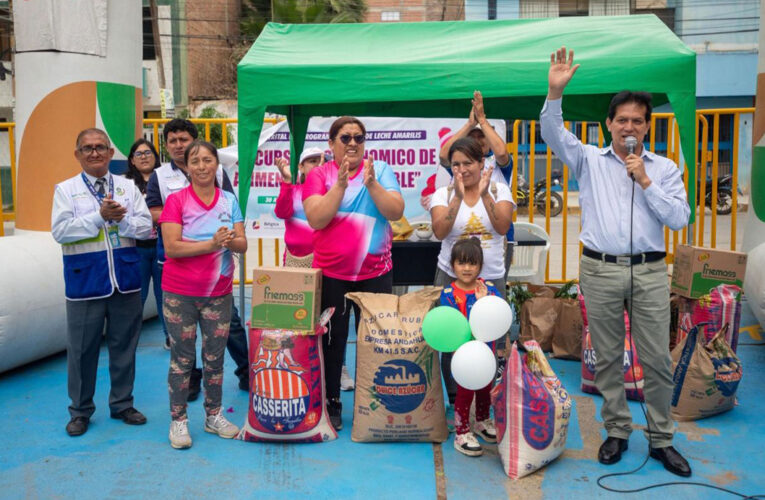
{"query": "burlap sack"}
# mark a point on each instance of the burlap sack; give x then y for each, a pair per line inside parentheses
(398, 376)
(706, 376)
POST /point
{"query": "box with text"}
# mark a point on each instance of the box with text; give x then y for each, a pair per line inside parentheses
(697, 270)
(285, 298)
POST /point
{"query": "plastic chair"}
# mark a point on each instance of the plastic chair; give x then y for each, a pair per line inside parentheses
(529, 260)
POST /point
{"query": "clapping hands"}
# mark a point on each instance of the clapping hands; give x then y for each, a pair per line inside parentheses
(284, 169)
(223, 237)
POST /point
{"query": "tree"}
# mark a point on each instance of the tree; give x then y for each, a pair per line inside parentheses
(256, 13)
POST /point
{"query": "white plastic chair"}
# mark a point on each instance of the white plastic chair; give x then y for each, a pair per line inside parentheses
(529, 261)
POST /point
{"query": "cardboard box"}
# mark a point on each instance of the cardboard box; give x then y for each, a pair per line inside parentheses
(285, 298)
(698, 270)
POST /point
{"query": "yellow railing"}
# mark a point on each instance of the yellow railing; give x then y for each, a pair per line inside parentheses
(700, 236)
(9, 127)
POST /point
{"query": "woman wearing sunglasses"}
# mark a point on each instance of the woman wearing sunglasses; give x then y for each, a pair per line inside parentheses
(348, 203)
(141, 161)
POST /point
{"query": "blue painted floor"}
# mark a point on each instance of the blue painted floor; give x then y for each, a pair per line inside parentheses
(39, 460)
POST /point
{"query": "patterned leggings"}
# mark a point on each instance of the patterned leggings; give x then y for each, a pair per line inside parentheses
(182, 314)
(462, 407)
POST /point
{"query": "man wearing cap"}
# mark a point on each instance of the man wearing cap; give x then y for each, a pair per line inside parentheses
(628, 195)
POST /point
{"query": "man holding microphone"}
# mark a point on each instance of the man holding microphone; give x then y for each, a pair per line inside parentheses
(627, 195)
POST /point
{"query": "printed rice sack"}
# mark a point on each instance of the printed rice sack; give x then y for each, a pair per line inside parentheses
(398, 377)
(287, 399)
(706, 376)
(633, 379)
(531, 412)
(721, 306)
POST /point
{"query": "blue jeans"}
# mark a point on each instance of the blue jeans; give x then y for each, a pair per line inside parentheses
(151, 271)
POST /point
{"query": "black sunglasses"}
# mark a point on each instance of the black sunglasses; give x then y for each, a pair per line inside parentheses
(346, 138)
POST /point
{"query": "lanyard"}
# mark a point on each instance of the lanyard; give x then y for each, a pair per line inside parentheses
(93, 191)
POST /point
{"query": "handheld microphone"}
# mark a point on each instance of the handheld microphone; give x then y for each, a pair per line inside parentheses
(631, 143)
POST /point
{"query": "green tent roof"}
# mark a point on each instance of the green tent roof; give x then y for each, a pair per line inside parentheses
(431, 70)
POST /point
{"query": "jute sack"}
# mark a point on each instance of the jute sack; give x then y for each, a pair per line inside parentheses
(398, 376)
(706, 375)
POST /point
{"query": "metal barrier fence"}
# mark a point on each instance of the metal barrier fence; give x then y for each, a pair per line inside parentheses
(664, 138)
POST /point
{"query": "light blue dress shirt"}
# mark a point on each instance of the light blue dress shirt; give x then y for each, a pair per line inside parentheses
(605, 192)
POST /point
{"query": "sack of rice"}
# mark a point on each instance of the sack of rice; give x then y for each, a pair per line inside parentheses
(287, 399)
(531, 412)
(706, 376)
(398, 377)
(633, 378)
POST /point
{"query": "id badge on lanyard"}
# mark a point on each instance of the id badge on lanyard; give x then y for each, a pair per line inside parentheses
(113, 232)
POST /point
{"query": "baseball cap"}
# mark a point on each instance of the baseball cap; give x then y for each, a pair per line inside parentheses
(310, 153)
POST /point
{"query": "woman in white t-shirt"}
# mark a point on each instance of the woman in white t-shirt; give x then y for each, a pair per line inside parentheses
(473, 206)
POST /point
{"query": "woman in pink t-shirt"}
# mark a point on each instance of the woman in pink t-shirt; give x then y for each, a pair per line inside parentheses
(349, 203)
(298, 234)
(201, 226)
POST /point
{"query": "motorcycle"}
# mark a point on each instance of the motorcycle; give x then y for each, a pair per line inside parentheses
(540, 194)
(724, 203)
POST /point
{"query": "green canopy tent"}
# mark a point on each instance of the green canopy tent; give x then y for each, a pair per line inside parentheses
(431, 69)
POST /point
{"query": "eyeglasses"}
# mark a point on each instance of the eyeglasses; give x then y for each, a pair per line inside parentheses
(346, 138)
(143, 154)
(100, 149)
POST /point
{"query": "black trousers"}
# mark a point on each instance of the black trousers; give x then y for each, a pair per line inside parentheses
(333, 295)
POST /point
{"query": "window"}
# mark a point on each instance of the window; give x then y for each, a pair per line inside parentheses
(574, 8)
(148, 36)
(391, 15)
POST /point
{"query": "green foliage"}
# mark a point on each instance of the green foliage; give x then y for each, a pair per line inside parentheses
(567, 291)
(216, 130)
(256, 13)
(518, 295)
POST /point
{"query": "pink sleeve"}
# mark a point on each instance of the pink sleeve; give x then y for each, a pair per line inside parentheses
(284, 206)
(314, 184)
(172, 212)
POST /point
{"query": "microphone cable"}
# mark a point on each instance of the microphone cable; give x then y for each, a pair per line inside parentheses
(642, 406)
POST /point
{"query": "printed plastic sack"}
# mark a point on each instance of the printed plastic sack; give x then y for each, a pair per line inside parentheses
(633, 384)
(398, 377)
(720, 307)
(706, 376)
(531, 411)
(287, 399)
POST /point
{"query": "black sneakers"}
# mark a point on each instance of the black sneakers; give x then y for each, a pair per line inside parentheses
(335, 410)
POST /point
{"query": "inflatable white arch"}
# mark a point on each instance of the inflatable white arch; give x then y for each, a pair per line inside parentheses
(78, 65)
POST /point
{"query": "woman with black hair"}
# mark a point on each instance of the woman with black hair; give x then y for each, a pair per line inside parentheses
(142, 160)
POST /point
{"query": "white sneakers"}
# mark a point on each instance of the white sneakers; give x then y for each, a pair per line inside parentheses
(346, 382)
(179, 434)
(486, 430)
(217, 424)
(214, 424)
(467, 444)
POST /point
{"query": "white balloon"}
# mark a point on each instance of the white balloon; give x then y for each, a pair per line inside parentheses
(473, 365)
(490, 318)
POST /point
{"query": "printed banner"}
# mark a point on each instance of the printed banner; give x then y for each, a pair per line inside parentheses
(409, 145)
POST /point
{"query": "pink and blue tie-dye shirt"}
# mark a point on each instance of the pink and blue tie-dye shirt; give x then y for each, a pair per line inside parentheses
(356, 243)
(298, 235)
(211, 274)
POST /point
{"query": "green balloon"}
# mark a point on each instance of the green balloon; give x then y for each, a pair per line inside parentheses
(445, 329)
